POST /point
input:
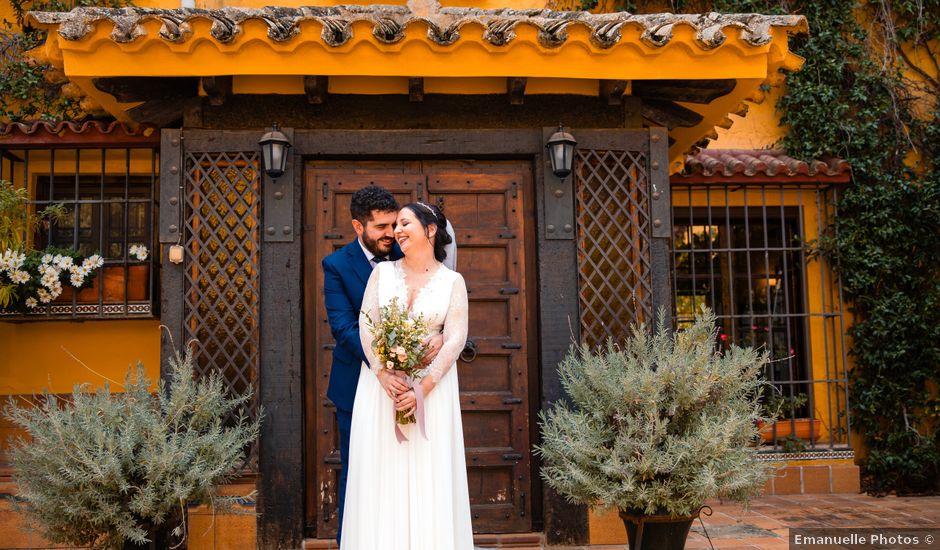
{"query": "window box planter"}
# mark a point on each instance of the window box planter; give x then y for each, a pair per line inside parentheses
(801, 428)
(138, 282)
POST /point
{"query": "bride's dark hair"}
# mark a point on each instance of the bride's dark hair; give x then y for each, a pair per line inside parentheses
(431, 215)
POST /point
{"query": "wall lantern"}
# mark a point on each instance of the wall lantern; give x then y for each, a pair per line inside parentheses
(561, 151)
(274, 146)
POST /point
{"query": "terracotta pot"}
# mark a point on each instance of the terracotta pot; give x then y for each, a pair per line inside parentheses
(138, 280)
(87, 295)
(664, 532)
(785, 427)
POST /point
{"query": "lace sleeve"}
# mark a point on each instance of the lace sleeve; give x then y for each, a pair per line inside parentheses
(455, 331)
(370, 310)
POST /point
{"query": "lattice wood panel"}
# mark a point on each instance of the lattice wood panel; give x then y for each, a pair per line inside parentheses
(222, 273)
(614, 232)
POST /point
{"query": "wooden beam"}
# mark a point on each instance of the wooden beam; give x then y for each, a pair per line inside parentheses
(218, 88)
(316, 88)
(145, 88)
(669, 114)
(416, 89)
(689, 91)
(515, 88)
(612, 90)
(159, 112)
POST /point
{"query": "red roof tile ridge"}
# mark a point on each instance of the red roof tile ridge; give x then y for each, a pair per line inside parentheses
(756, 162)
(60, 127)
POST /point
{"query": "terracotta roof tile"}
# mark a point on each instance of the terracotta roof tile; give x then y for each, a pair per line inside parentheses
(444, 25)
(719, 164)
(92, 132)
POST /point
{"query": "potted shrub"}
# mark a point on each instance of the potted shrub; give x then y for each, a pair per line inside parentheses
(656, 426)
(112, 470)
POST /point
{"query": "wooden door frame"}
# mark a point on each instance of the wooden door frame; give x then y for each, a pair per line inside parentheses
(280, 494)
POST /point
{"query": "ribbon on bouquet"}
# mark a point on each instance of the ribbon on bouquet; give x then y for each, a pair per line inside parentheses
(419, 413)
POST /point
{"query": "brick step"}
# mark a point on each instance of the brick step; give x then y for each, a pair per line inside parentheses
(520, 541)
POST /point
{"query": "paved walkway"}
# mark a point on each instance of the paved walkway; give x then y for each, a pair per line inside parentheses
(765, 526)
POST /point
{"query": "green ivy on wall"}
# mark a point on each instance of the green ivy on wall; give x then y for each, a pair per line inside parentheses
(29, 90)
(860, 98)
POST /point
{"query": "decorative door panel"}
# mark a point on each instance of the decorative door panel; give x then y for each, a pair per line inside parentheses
(221, 275)
(621, 187)
(484, 202)
(330, 192)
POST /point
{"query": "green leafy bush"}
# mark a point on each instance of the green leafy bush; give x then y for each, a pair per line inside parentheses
(659, 424)
(106, 468)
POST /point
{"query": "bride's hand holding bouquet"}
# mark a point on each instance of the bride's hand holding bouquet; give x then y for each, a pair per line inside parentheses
(398, 341)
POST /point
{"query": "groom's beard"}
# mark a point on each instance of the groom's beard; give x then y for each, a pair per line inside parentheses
(378, 247)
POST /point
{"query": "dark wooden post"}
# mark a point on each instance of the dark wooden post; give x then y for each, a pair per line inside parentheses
(661, 214)
(170, 231)
(565, 523)
(280, 493)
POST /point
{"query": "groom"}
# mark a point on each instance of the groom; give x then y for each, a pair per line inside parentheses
(345, 274)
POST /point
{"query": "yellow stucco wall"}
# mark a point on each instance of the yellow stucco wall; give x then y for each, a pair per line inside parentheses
(35, 355)
(759, 129)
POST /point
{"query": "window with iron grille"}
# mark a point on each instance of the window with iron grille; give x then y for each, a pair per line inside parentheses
(746, 254)
(109, 194)
(749, 272)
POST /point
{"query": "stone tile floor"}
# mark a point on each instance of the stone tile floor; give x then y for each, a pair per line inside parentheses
(765, 526)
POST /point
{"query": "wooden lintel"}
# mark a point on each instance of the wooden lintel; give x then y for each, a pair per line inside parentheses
(669, 114)
(416, 89)
(612, 91)
(689, 91)
(515, 88)
(316, 88)
(218, 88)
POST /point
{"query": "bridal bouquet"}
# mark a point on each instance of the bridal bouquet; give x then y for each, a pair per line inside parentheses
(398, 341)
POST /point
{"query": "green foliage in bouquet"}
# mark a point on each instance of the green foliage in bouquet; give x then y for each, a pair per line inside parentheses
(398, 340)
(658, 424)
(106, 468)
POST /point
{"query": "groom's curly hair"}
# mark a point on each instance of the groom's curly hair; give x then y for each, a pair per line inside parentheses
(369, 198)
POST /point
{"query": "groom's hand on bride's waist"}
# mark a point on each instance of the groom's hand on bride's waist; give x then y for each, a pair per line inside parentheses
(434, 346)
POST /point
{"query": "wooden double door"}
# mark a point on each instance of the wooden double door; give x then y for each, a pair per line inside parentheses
(488, 203)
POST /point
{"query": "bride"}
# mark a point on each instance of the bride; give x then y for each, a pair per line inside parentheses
(411, 495)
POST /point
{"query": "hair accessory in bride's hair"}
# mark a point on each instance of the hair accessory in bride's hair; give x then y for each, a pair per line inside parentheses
(426, 207)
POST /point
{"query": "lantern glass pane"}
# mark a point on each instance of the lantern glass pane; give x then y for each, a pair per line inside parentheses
(266, 154)
(277, 157)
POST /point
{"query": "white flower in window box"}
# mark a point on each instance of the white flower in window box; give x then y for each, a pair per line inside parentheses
(139, 251)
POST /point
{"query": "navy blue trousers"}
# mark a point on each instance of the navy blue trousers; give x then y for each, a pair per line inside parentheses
(344, 425)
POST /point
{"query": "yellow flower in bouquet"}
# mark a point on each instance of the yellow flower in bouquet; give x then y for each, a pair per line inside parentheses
(398, 341)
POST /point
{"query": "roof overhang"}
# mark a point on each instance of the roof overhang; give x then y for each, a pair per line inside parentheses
(623, 52)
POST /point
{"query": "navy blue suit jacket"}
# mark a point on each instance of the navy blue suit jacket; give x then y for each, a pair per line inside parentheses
(345, 274)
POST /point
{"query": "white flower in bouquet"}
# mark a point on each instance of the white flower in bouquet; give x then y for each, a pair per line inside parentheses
(44, 296)
(46, 259)
(31, 302)
(57, 259)
(77, 280)
(139, 251)
(66, 262)
(19, 277)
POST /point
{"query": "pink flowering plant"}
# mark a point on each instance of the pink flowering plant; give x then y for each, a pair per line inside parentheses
(398, 340)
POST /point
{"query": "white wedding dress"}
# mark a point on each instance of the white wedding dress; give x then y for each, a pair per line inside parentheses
(410, 495)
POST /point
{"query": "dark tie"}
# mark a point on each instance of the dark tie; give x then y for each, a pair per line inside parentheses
(377, 259)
